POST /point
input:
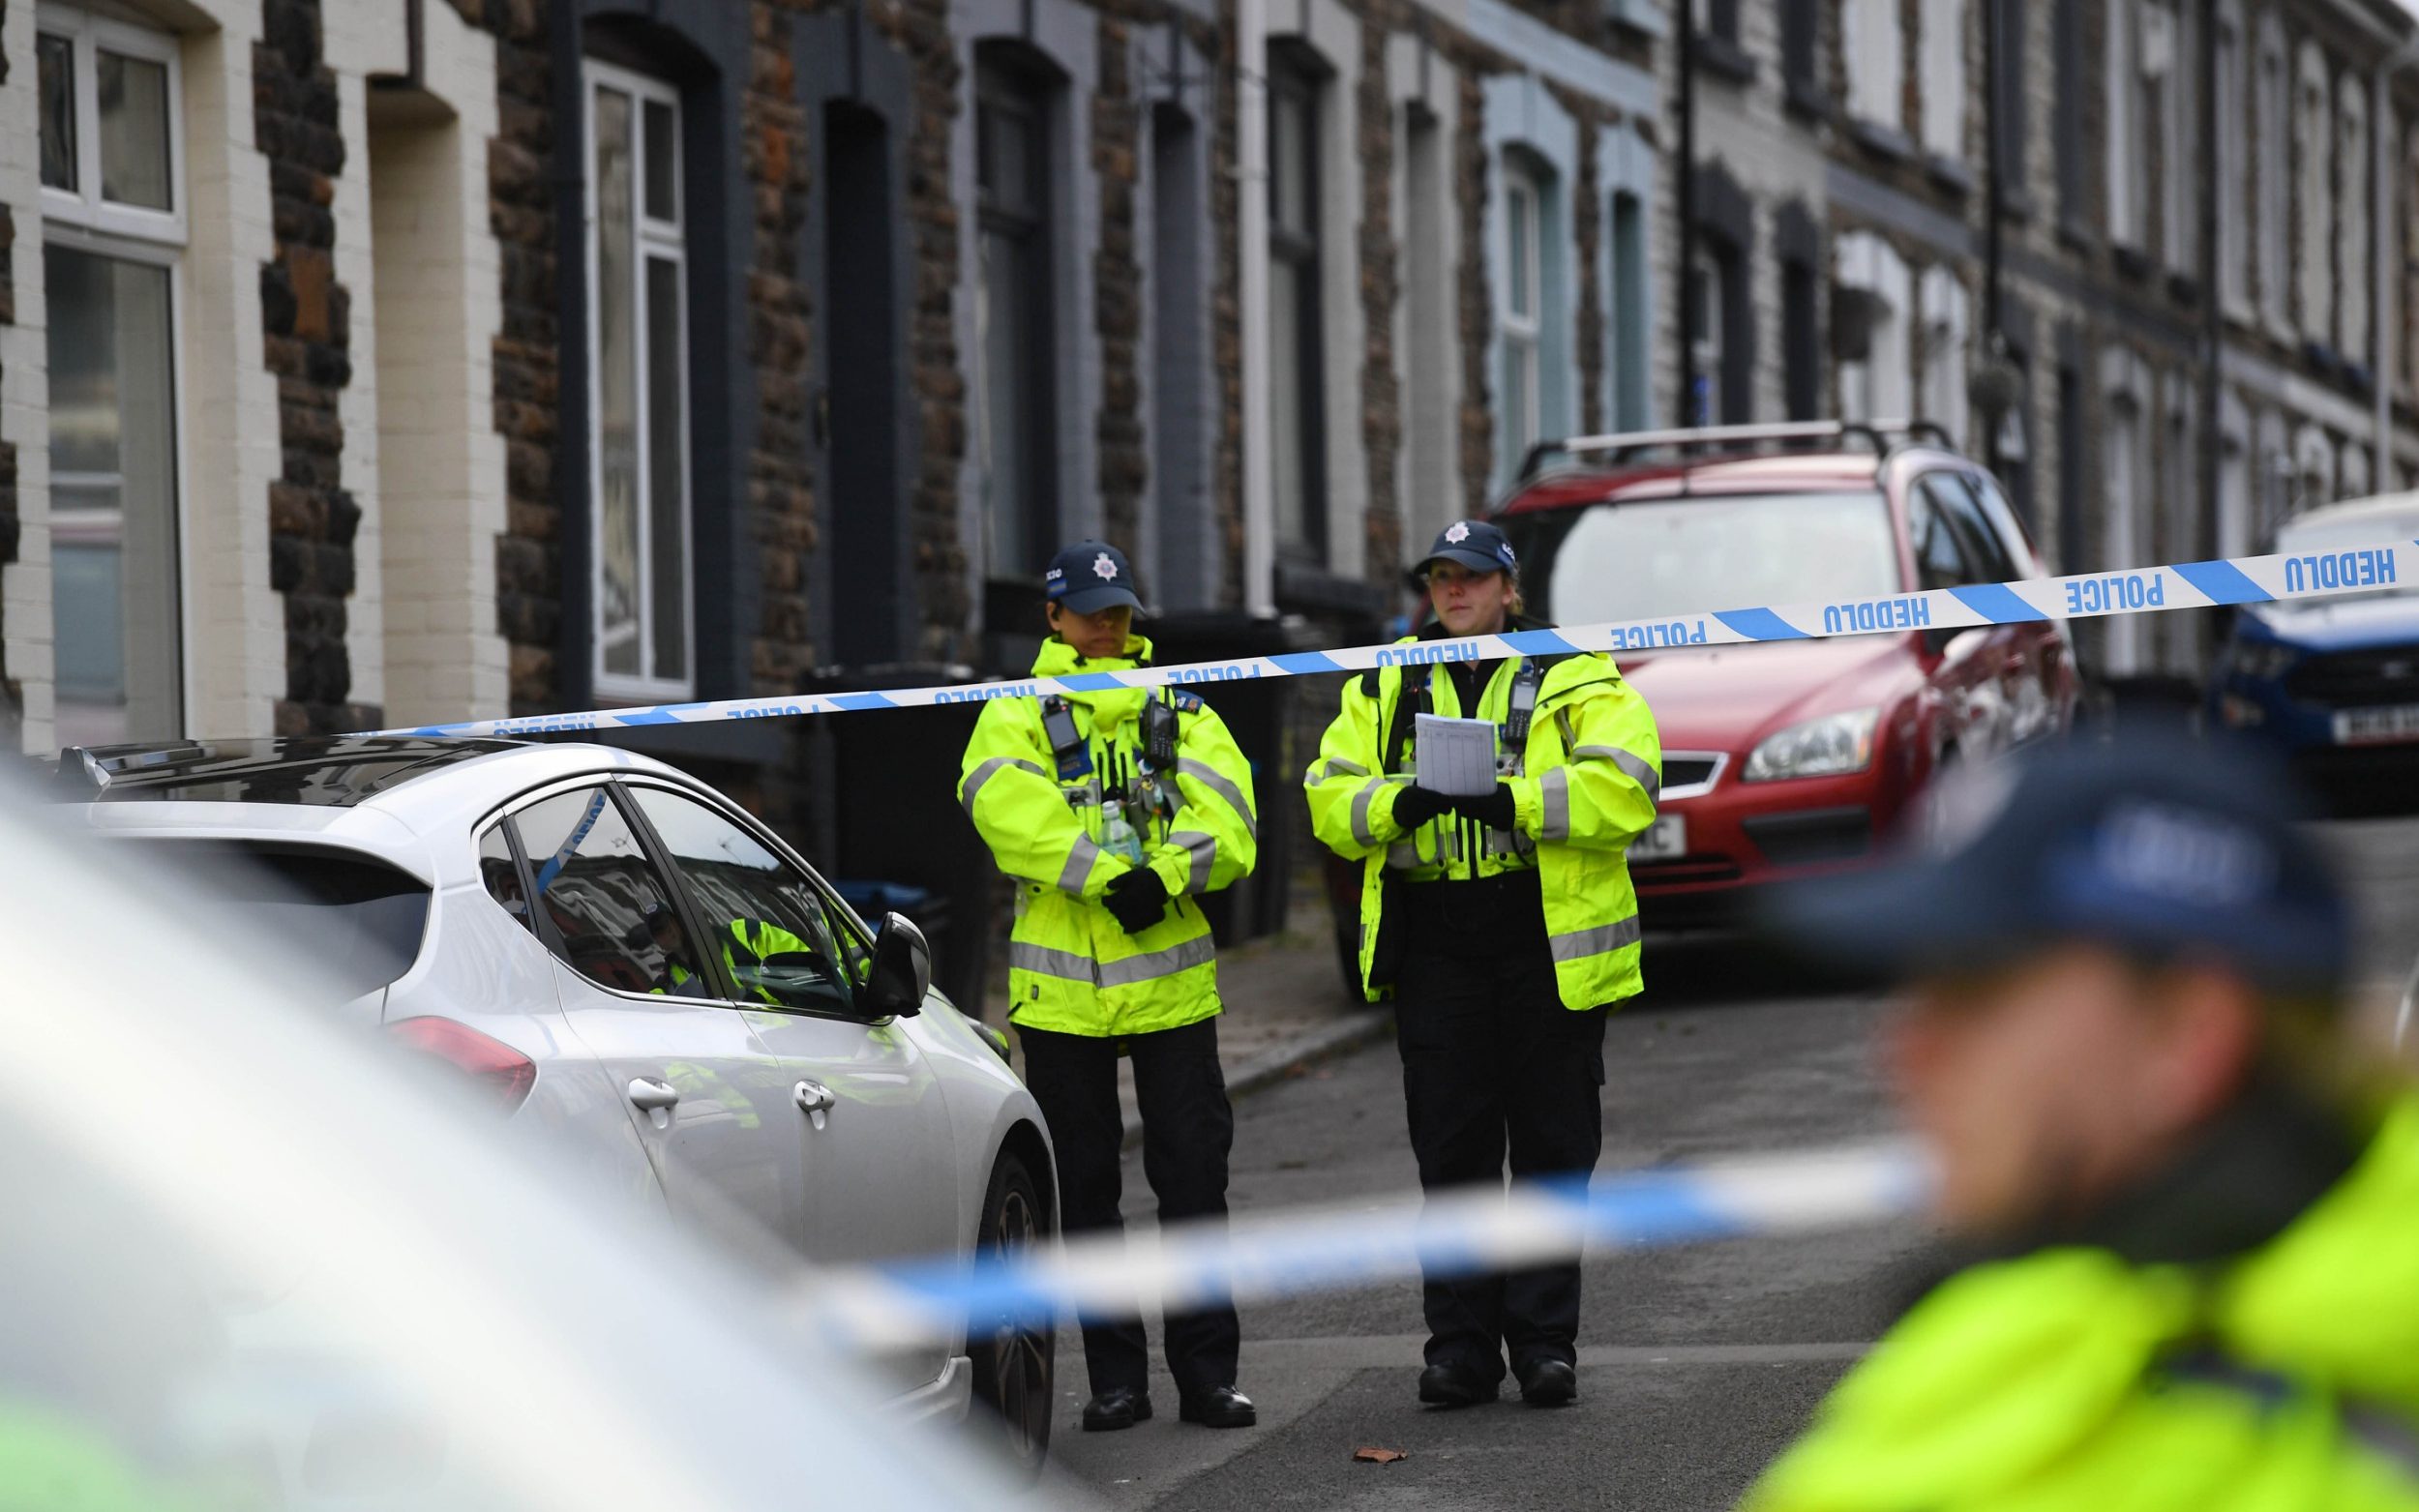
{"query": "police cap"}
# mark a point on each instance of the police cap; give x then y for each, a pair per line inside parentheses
(1088, 576)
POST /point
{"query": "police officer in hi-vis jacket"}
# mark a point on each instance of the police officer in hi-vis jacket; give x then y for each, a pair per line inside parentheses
(1115, 809)
(1505, 927)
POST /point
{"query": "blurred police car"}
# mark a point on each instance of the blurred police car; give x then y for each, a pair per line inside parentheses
(2334, 681)
(255, 1260)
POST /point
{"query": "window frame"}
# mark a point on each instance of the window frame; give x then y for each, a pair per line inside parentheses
(650, 240)
(1524, 332)
(88, 34)
(1295, 71)
(1008, 77)
(75, 221)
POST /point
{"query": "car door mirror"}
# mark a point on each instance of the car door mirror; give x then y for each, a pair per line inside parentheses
(903, 969)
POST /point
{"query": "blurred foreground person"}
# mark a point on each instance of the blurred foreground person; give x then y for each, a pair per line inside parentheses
(2192, 1218)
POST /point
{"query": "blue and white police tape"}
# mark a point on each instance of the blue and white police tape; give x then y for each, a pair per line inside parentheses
(1269, 1257)
(2247, 579)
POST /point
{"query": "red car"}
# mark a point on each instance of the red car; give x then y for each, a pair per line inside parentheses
(1786, 760)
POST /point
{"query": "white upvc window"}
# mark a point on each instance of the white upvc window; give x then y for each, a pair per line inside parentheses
(1875, 49)
(111, 150)
(2125, 145)
(1524, 281)
(638, 387)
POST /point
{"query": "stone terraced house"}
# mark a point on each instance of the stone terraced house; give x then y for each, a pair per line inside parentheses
(2209, 264)
(382, 362)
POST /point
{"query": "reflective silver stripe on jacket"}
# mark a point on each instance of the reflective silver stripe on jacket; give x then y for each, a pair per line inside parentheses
(1581, 944)
(1361, 811)
(1337, 766)
(1043, 960)
(1637, 768)
(984, 773)
(1079, 860)
(1196, 952)
(1216, 782)
(1203, 851)
(1555, 786)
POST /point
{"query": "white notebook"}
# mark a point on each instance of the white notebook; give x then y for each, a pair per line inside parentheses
(1455, 758)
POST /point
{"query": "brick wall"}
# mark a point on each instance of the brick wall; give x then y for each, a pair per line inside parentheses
(307, 315)
(12, 692)
(1381, 289)
(780, 489)
(1478, 302)
(1116, 123)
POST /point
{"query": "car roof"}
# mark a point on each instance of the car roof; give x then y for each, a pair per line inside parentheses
(1783, 472)
(2352, 511)
(340, 788)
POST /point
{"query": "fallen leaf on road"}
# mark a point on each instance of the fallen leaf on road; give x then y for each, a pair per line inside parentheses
(1379, 1456)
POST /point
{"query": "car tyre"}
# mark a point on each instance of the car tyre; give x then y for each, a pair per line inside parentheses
(1014, 1359)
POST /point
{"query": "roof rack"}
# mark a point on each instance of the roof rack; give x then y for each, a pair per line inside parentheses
(1619, 447)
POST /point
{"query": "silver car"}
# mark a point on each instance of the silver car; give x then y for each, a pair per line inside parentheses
(615, 953)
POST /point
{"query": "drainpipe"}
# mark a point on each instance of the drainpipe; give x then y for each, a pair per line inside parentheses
(2381, 310)
(1687, 186)
(1251, 131)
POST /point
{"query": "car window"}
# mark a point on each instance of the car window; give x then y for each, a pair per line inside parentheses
(613, 916)
(1984, 550)
(502, 874)
(362, 920)
(761, 913)
(1939, 556)
(2002, 517)
(1661, 557)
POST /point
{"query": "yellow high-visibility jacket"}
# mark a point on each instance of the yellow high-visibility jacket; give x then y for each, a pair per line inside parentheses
(1071, 966)
(2287, 1378)
(1584, 789)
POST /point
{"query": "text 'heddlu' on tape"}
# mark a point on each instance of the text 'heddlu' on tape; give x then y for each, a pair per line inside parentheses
(2147, 590)
(1279, 1255)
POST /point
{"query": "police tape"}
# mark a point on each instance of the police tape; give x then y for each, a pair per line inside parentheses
(2247, 580)
(1281, 1255)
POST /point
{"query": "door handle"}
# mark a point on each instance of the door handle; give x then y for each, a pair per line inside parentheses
(813, 1097)
(651, 1095)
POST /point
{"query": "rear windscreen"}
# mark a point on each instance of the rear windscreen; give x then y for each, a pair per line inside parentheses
(353, 924)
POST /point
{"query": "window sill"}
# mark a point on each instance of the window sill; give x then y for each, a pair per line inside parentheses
(2321, 356)
(1804, 97)
(1723, 57)
(1882, 141)
(2077, 235)
(2133, 262)
(1948, 173)
(2184, 290)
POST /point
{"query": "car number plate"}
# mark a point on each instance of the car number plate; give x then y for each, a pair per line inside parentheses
(2376, 726)
(1666, 840)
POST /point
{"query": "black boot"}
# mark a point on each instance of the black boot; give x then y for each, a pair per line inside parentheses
(1445, 1384)
(1118, 1407)
(1219, 1406)
(1549, 1383)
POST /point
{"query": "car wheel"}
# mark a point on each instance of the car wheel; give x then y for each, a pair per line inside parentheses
(1013, 1357)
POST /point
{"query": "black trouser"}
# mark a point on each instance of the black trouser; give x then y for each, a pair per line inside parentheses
(1187, 1130)
(1491, 1059)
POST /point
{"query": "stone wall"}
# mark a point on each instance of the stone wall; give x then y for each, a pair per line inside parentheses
(306, 316)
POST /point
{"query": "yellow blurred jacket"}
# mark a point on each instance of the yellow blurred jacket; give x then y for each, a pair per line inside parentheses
(2287, 1378)
(1590, 770)
(1071, 967)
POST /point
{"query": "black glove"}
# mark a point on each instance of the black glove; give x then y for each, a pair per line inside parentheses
(1137, 899)
(1414, 806)
(1495, 811)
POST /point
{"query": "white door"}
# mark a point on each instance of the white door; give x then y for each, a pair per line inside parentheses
(870, 1128)
(701, 1088)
